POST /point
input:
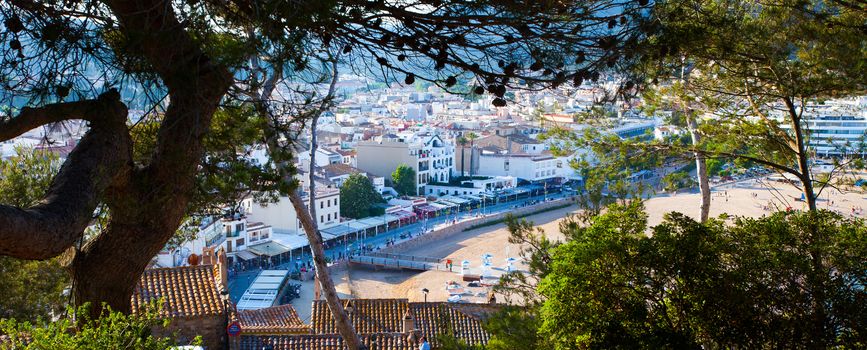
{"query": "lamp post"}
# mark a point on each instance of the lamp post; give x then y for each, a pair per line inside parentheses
(425, 291)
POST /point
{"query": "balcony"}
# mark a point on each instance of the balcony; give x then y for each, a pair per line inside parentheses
(218, 240)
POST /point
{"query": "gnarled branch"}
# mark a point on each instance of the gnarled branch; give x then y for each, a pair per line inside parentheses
(49, 228)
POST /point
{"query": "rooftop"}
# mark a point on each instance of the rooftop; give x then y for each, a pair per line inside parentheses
(189, 291)
(273, 320)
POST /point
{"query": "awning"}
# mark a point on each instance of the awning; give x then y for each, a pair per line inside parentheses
(245, 255)
(426, 208)
(403, 214)
(291, 240)
(268, 249)
(440, 205)
(453, 199)
(374, 221)
(392, 218)
(358, 226)
(337, 231)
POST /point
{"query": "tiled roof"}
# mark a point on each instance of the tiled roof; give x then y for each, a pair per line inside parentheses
(338, 169)
(273, 320)
(379, 341)
(368, 316)
(433, 319)
(189, 291)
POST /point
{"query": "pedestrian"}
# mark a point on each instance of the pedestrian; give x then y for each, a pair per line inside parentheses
(424, 344)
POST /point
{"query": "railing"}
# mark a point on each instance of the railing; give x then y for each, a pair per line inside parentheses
(405, 257)
(216, 240)
(397, 263)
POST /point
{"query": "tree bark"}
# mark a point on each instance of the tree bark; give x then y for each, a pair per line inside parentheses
(344, 326)
(147, 209)
(100, 159)
(307, 216)
(700, 167)
(802, 154)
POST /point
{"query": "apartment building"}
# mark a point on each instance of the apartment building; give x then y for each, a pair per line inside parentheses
(835, 128)
(431, 156)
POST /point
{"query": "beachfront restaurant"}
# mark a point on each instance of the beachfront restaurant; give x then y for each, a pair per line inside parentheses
(461, 203)
(267, 254)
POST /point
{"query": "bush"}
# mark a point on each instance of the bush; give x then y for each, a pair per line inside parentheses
(113, 330)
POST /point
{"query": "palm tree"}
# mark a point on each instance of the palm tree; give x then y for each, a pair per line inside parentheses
(472, 137)
(463, 142)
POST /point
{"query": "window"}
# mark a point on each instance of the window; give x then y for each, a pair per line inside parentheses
(239, 242)
(321, 205)
(239, 227)
(265, 235)
(329, 216)
(228, 246)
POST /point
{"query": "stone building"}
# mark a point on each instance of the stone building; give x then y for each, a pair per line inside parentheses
(192, 297)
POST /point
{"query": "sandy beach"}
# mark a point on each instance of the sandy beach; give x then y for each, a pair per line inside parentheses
(747, 198)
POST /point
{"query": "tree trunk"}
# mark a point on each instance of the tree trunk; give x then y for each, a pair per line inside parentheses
(803, 158)
(344, 326)
(700, 167)
(308, 223)
(463, 153)
(472, 149)
(147, 209)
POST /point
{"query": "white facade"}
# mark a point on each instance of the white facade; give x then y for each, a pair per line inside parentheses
(283, 218)
(432, 157)
(527, 167)
(836, 128)
(231, 234)
(472, 187)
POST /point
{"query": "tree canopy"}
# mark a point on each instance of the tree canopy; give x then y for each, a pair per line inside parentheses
(404, 180)
(745, 282)
(178, 63)
(358, 197)
(31, 289)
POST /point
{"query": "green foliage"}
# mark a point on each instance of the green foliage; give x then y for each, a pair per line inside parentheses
(112, 330)
(753, 67)
(677, 180)
(30, 289)
(404, 180)
(358, 197)
(514, 328)
(714, 167)
(25, 177)
(605, 162)
(790, 280)
(226, 172)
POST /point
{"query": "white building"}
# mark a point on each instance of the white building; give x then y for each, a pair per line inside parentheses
(233, 234)
(484, 184)
(431, 156)
(530, 167)
(836, 127)
(284, 219)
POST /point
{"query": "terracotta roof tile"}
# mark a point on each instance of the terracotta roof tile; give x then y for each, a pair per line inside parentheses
(368, 316)
(189, 291)
(272, 320)
(371, 316)
(434, 319)
(379, 341)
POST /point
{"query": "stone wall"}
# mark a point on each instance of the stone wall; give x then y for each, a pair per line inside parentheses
(450, 230)
(212, 329)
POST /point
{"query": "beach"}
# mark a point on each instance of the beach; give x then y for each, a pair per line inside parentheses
(751, 198)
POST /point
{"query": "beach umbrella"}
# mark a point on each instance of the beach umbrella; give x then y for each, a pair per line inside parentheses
(465, 263)
(511, 259)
